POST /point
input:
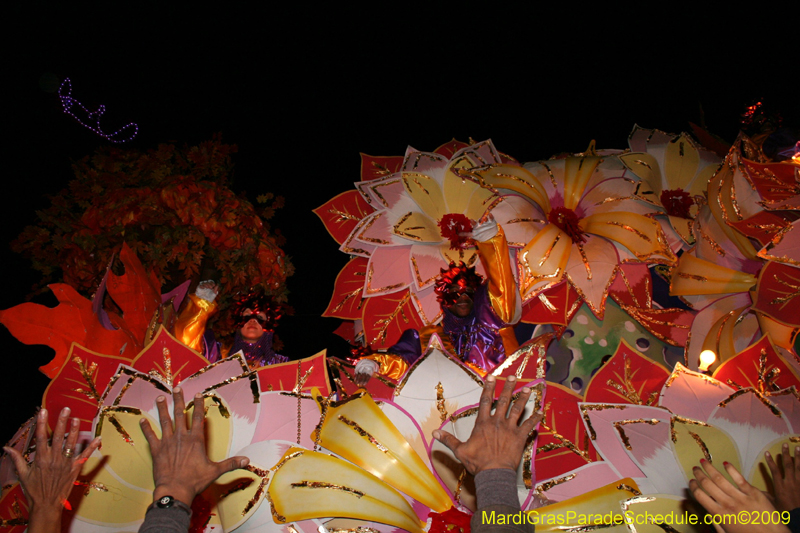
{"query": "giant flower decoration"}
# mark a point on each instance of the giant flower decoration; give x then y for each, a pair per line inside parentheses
(675, 171)
(398, 219)
(588, 223)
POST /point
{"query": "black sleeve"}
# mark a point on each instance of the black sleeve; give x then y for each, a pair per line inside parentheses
(172, 520)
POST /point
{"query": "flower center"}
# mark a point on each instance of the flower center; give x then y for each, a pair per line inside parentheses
(451, 225)
(567, 221)
(677, 202)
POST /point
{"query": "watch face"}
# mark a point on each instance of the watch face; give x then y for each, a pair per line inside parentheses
(165, 501)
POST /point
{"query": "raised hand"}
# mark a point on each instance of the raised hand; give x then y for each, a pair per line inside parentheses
(736, 503)
(497, 440)
(49, 480)
(787, 483)
(181, 467)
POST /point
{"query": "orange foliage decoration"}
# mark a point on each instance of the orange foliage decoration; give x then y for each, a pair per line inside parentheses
(174, 207)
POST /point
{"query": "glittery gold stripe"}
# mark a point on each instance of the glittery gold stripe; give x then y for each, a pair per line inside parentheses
(702, 445)
(325, 485)
(629, 228)
(377, 193)
(618, 425)
(440, 403)
(547, 485)
(585, 408)
(361, 431)
(682, 420)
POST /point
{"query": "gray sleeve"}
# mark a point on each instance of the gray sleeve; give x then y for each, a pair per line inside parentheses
(172, 520)
(498, 506)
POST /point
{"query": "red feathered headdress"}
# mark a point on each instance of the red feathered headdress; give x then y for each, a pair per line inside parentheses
(455, 281)
(257, 302)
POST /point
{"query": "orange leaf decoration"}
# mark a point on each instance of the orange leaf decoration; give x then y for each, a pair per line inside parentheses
(759, 366)
(387, 316)
(58, 327)
(14, 510)
(168, 358)
(376, 167)
(342, 213)
(135, 292)
(556, 305)
(563, 443)
(778, 293)
(347, 300)
(628, 377)
(297, 376)
(79, 385)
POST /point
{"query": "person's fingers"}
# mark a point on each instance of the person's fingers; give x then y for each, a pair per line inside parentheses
(72, 437)
(773, 468)
(447, 439)
(505, 397)
(19, 461)
(519, 405)
(737, 477)
(198, 416)
(797, 459)
(150, 435)
(60, 430)
(42, 447)
(714, 483)
(163, 417)
(231, 463)
(92, 446)
(786, 459)
(702, 498)
(487, 398)
(178, 410)
(531, 422)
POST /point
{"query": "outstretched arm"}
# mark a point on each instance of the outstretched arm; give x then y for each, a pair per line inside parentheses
(49, 480)
(493, 453)
(181, 467)
(493, 251)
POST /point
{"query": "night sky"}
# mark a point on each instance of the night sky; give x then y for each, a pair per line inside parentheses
(303, 92)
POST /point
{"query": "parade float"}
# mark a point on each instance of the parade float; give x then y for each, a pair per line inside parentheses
(659, 326)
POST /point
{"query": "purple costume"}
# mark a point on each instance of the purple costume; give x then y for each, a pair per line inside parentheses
(257, 354)
(475, 338)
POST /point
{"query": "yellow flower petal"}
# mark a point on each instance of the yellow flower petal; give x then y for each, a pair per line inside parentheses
(544, 260)
(697, 276)
(641, 235)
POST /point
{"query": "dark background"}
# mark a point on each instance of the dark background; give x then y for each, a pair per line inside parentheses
(303, 90)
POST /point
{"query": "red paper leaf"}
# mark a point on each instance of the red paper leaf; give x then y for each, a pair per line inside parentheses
(379, 387)
(79, 386)
(632, 289)
(342, 213)
(530, 357)
(778, 292)
(284, 376)
(755, 367)
(172, 359)
(627, 377)
(376, 167)
(763, 226)
(386, 317)
(346, 301)
(556, 305)
(449, 148)
(563, 443)
(775, 182)
(135, 292)
(58, 327)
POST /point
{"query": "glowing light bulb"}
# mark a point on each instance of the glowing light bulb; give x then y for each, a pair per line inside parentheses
(707, 358)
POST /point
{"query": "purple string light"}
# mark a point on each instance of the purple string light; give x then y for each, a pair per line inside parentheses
(67, 101)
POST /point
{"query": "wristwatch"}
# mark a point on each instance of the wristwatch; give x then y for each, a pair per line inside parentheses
(166, 502)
